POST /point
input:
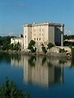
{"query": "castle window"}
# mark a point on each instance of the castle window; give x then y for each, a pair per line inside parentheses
(34, 38)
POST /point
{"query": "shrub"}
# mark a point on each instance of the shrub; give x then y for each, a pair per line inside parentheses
(31, 46)
(61, 50)
(50, 45)
(9, 90)
(44, 49)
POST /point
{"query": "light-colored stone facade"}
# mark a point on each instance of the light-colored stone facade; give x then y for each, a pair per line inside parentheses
(43, 33)
(16, 40)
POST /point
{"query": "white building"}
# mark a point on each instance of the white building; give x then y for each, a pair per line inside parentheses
(44, 33)
(41, 33)
(16, 40)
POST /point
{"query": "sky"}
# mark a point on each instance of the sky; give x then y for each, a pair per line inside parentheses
(15, 13)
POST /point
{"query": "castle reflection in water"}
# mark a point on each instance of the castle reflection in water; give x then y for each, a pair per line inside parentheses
(41, 71)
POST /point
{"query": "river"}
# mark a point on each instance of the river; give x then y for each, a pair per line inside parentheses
(42, 77)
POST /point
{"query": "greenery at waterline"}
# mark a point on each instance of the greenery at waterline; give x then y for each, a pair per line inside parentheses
(9, 90)
(44, 49)
(32, 60)
(31, 46)
(50, 45)
(5, 44)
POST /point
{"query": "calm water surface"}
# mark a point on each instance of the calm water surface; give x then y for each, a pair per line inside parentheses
(42, 77)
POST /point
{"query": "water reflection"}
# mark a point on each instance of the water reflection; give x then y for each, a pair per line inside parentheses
(43, 73)
(40, 71)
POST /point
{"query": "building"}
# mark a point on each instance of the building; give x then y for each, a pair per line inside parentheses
(44, 33)
(19, 39)
(41, 33)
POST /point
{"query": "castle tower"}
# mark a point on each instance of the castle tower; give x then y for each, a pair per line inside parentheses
(27, 34)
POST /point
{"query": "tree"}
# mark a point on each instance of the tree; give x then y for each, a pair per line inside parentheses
(31, 46)
(43, 60)
(9, 90)
(50, 45)
(32, 60)
(44, 49)
(15, 46)
(32, 43)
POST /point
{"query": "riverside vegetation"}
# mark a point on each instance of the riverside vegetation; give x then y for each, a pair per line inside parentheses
(9, 90)
(6, 40)
(5, 45)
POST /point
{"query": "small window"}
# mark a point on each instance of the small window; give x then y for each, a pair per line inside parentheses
(34, 38)
(37, 38)
(25, 36)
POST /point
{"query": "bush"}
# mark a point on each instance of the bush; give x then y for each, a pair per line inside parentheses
(50, 45)
(31, 46)
(9, 90)
(61, 50)
(32, 43)
(44, 49)
(15, 46)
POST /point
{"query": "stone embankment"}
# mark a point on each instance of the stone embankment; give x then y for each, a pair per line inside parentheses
(49, 54)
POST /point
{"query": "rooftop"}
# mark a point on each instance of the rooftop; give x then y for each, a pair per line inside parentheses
(45, 23)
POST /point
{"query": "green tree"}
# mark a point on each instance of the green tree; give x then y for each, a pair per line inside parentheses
(50, 45)
(43, 60)
(44, 49)
(31, 46)
(5, 42)
(9, 90)
(15, 46)
(32, 60)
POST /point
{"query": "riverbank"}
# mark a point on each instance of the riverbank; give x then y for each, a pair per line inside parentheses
(48, 54)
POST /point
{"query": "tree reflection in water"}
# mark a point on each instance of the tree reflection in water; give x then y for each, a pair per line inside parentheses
(32, 60)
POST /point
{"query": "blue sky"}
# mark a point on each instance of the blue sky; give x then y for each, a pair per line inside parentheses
(15, 13)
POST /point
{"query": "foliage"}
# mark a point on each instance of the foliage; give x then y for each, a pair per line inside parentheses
(68, 37)
(49, 64)
(43, 60)
(50, 45)
(5, 43)
(9, 90)
(31, 60)
(16, 46)
(61, 50)
(44, 49)
(66, 43)
(32, 43)
(62, 61)
(5, 40)
(31, 46)
(13, 47)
